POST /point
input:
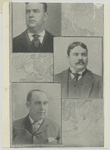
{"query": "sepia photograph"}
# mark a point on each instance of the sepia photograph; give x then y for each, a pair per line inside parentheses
(55, 75)
(78, 66)
(34, 26)
(36, 114)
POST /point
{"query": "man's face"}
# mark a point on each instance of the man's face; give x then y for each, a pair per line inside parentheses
(35, 15)
(38, 106)
(78, 58)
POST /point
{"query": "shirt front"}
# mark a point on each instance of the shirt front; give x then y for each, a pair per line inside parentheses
(41, 36)
(80, 73)
(38, 123)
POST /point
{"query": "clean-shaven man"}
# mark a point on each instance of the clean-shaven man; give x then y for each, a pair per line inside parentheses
(77, 81)
(36, 128)
(35, 38)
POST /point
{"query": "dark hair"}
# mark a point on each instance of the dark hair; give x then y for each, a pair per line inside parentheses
(44, 4)
(29, 95)
(75, 44)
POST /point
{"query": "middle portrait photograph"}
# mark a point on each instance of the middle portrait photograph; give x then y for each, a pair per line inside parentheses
(78, 66)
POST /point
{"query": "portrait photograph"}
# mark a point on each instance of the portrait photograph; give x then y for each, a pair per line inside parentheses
(36, 114)
(78, 67)
(34, 25)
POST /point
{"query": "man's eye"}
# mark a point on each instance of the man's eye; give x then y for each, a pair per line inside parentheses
(84, 54)
(45, 103)
(37, 103)
(35, 10)
(27, 11)
(75, 54)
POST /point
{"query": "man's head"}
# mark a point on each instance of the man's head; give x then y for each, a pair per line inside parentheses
(36, 15)
(37, 104)
(78, 56)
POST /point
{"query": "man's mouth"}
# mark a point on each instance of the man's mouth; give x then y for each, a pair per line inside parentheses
(80, 63)
(31, 20)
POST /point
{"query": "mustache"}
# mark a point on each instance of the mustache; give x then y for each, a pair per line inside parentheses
(80, 62)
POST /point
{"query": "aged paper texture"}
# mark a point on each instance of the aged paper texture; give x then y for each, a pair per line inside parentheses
(55, 75)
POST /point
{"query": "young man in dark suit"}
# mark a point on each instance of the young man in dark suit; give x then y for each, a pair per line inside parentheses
(77, 81)
(35, 38)
(36, 128)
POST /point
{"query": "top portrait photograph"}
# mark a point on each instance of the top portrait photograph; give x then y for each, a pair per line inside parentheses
(34, 25)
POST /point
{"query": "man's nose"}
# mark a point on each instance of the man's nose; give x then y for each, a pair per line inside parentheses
(42, 106)
(80, 57)
(31, 14)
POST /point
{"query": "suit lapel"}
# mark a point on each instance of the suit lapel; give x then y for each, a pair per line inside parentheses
(25, 42)
(27, 124)
(44, 43)
(43, 126)
(87, 84)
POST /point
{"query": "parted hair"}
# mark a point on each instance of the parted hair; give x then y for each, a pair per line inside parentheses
(75, 44)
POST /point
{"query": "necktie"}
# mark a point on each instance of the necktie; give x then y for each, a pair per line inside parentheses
(76, 75)
(36, 41)
(35, 126)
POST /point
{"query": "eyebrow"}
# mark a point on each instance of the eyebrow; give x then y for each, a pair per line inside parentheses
(31, 9)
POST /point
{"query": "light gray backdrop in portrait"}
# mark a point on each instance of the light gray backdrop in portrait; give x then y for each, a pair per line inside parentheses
(53, 22)
(19, 94)
(94, 46)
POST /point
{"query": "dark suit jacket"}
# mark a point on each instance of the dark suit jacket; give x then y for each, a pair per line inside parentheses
(48, 133)
(92, 85)
(22, 44)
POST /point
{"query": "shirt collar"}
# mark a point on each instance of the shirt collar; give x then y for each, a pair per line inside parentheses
(42, 34)
(80, 72)
(32, 121)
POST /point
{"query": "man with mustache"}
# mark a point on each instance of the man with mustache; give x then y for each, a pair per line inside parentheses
(36, 128)
(78, 81)
(35, 38)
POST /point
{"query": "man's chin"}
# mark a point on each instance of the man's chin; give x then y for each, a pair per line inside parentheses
(80, 68)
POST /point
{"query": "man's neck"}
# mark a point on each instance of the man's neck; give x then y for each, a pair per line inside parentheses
(32, 120)
(77, 71)
(34, 30)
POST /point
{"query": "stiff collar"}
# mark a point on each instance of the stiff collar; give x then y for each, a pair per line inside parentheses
(80, 72)
(32, 121)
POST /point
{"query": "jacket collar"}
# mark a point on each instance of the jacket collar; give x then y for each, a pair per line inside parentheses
(86, 87)
(42, 128)
(25, 41)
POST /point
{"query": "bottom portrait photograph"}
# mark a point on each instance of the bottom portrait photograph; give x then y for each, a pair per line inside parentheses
(36, 115)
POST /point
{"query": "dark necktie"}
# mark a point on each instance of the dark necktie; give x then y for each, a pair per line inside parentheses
(76, 75)
(36, 41)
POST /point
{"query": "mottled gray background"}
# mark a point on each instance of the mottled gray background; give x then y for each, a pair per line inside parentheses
(53, 22)
(94, 46)
(82, 19)
(19, 94)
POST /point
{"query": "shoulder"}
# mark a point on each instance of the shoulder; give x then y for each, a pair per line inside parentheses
(52, 123)
(48, 33)
(94, 76)
(23, 34)
(59, 76)
(18, 123)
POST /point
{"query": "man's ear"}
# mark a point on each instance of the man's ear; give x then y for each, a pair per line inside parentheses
(45, 16)
(28, 105)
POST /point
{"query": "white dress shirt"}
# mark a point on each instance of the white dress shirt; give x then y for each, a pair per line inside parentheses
(80, 73)
(37, 124)
(41, 37)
